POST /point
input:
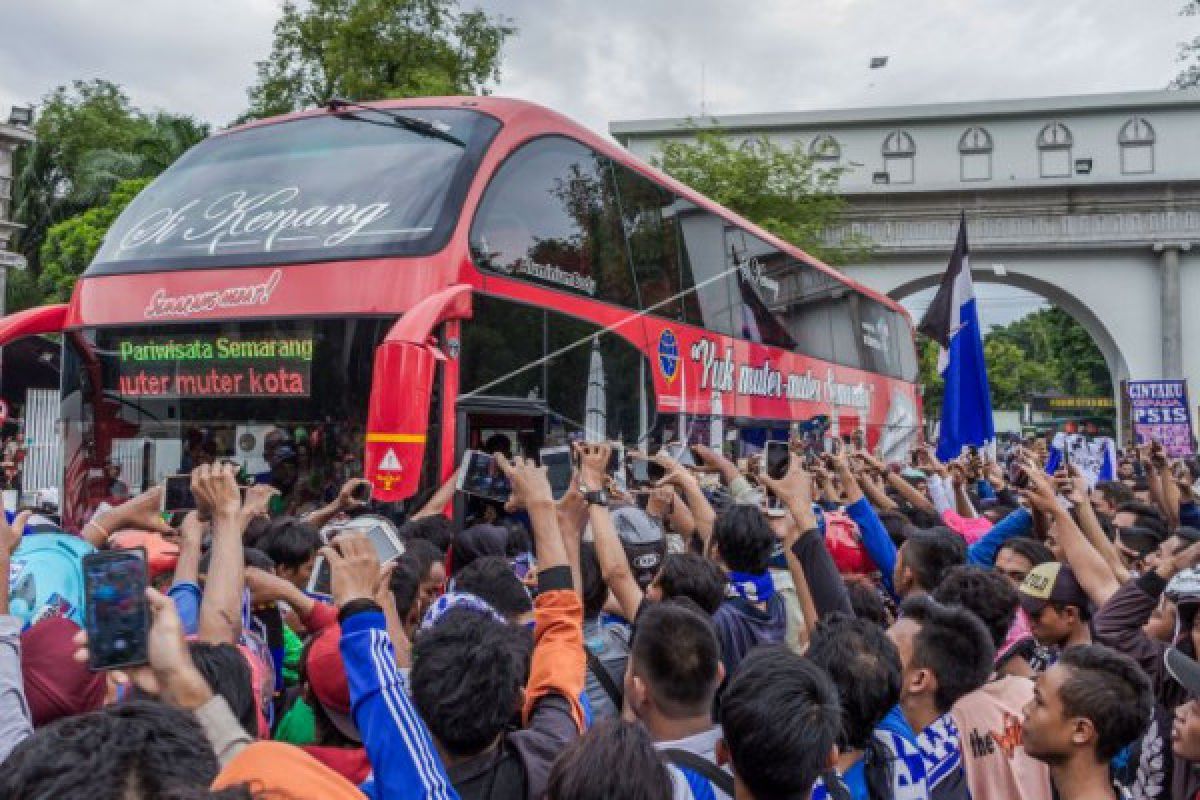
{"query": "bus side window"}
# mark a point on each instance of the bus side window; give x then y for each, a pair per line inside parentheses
(648, 217)
(704, 270)
(550, 215)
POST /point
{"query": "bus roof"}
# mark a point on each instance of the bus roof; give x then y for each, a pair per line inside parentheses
(523, 120)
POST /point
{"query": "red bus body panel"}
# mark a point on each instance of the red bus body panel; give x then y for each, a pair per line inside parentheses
(694, 371)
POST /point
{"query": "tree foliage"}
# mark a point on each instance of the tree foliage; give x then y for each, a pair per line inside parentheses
(89, 137)
(785, 190)
(1043, 352)
(371, 49)
(71, 244)
(1189, 53)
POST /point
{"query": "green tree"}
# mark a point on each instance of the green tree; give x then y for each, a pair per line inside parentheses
(371, 49)
(1046, 351)
(70, 245)
(72, 122)
(89, 137)
(1189, 53)
(785, 190)
(168, 137)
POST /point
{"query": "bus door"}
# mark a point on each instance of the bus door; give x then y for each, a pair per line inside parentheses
(515, 426)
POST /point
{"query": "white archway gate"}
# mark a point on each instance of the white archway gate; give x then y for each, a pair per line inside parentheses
(1130, 278)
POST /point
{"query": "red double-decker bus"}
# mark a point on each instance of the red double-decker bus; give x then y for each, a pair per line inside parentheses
(371, 290)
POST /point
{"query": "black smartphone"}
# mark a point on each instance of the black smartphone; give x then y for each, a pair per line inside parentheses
(1017, 476)
(117, 618)
(481, 476)
(177, 494)
(642, 472)
(616, 462)
(557, 461)
(775, 458)
(615, 457)
(361, 492)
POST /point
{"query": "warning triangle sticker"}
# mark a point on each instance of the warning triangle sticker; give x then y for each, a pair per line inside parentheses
(390, 463)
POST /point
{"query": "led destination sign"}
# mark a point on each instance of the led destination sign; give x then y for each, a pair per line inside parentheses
(215, 366)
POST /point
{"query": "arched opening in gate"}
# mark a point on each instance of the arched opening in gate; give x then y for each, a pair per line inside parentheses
(1037, 369)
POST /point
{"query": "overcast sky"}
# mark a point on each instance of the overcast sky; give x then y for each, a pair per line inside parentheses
(625, 59)
(621, 59)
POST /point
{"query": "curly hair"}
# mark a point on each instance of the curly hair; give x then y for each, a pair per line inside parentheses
(985, 593)
(467, 676)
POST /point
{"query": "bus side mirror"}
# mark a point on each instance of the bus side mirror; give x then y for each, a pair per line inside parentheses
(398, 418)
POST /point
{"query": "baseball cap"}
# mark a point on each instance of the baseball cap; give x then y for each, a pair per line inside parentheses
(326, 676)
(1052, 583)
(1184, 670)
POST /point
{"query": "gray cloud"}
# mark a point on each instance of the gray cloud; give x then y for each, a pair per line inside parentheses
(598, 61)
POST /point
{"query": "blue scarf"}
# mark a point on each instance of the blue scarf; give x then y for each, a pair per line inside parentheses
(750, 587)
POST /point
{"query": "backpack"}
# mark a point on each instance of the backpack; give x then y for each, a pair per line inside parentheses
(45, 578)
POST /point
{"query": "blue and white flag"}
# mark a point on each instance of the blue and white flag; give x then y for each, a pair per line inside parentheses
(952, 320)
(1096, 459)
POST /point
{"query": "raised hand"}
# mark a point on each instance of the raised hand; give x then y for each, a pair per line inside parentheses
(530, 486)
(593, 464)
(216, 490)
(796, 485)
(353, 566)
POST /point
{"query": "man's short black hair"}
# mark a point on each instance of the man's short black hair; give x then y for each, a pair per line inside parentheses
(467, 676)
(781, 719)
(692, 576)
(1146, 516)
(491, 579)
(101, 754)
(595, 590)
(290, 542)
(864, 666)
(675, 650)
(615, 759)
(922, 518)
(1030, 549)
(897, 525)
(225, 670)
(985, 593)
(253, 557)
(953, 643)
(435, 529)
(744, 539)
(929, 552)
(423, 554)
(866, 601)
(1116, 493)
(1111, 690)
(405, 583)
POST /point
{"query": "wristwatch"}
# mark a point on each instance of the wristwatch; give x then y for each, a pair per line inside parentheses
(596, 498)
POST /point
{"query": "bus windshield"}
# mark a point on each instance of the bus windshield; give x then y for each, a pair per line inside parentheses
(285, 400)
(358, 184)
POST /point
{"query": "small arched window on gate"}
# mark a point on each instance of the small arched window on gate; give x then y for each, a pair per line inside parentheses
(1054, 143)
(975, 154)
(1136, 141)
(899, 153)
(825, 149)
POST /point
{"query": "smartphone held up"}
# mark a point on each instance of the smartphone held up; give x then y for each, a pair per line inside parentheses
(118, 616)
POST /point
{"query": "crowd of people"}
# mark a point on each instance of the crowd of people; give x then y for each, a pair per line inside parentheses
(850, 629)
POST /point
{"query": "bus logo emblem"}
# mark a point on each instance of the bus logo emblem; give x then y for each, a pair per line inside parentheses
(389, 462)
(668, 354)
